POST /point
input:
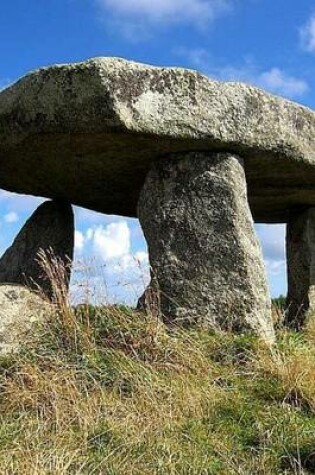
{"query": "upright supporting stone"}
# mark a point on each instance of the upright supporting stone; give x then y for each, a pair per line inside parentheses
(206, 262)
(50, 227)
(300, 242)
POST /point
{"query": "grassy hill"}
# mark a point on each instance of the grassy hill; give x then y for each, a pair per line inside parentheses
(109, 391)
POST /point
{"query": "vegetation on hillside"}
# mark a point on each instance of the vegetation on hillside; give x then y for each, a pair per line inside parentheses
(107, 390)
(110, 391)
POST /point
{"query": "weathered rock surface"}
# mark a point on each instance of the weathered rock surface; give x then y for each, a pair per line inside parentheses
(300, 242)
(87, 132)
(50, 227)
(20, 311)
(206, 262)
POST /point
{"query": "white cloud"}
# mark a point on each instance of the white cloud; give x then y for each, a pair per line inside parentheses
(308, 34)
(112, 241)
(105, 269)
(278, 81)
(11, 217)
(135, 18)
(79, 240)
(89, 234)
(113, 244)
(275, 79)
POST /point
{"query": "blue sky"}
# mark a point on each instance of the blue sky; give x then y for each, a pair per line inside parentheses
(264, 42)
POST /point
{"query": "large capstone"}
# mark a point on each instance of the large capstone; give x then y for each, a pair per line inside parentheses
(49, 229)
(300, 243)
(206, 262)
(87, 133)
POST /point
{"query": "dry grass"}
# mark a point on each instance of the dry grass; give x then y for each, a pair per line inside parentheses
(110, 391)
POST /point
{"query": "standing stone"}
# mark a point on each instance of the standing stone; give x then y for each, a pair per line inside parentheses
(300, 242)
(206, 262)
(51, 227)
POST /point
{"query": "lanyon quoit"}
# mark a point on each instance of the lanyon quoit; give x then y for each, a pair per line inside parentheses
(196, 160)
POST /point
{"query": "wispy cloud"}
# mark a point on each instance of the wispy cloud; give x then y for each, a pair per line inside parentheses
(307, 33)
(188, 11)
(280, 82)
(11, 217)
(275, 79)
(139, 16)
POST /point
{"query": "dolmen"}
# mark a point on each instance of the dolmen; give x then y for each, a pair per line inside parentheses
(196, 160)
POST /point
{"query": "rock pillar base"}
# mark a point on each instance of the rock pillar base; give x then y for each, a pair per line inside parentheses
(206, 262)
(50, 227)
(300, 243)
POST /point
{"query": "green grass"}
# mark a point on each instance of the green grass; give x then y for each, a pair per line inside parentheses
(110, 391)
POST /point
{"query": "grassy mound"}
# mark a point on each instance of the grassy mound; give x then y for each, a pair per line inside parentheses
(109, 391)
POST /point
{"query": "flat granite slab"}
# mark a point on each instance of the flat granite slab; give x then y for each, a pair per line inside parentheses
(87, 133)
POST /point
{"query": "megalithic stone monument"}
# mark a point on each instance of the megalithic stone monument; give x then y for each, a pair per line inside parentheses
(94, 134)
